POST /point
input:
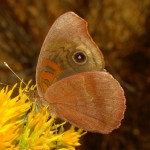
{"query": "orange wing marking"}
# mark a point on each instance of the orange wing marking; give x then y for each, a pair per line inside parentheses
(48, 75)
(44, 87)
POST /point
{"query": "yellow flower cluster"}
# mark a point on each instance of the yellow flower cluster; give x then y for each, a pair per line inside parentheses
(24, 127)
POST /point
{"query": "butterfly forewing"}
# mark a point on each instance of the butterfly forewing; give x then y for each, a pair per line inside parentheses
(67, 37)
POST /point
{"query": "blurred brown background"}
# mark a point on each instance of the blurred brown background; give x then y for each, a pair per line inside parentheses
(122, 31)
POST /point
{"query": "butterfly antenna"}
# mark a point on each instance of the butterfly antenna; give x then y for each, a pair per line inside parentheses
(14, 73)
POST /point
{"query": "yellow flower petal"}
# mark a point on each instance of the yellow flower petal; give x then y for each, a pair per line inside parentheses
(24, 125)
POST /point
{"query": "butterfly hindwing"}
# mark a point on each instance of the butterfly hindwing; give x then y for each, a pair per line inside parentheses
(89, 100)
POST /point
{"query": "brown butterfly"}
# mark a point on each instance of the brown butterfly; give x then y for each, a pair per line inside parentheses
(71, 78)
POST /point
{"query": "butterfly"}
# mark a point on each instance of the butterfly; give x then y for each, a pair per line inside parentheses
(70, 76)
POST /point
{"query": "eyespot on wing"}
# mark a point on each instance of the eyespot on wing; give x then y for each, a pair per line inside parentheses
(93, 101)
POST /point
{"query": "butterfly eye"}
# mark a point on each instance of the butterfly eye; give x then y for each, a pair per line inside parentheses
(79, 57)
